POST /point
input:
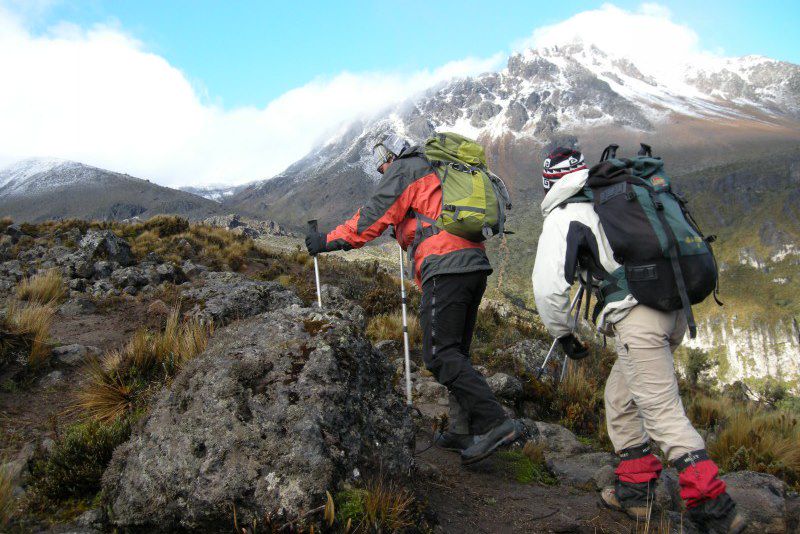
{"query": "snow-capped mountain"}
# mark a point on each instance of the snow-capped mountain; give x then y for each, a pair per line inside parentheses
(39, 189)
(737, 116)
(567, 93)
(216, 193)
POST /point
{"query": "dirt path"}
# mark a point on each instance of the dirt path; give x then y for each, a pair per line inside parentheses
(483, 498)
(35, 409)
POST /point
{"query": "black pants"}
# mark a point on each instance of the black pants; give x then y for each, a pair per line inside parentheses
(448, 312)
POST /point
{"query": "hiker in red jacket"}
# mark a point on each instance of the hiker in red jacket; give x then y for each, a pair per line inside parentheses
(452, 272)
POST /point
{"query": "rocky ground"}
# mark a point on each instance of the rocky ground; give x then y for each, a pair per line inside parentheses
(286, 403)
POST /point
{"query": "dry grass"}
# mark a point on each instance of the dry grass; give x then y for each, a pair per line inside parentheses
(45, 288)
(390, 326)
(709, 412)
(6, 497)
(764, 441)
(381, 506)
(104, 395)
(27, 327)
(5, 222)
(113, 385)
(578, 399)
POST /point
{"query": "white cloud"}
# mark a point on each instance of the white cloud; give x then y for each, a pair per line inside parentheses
(648, 36)
(98, 96)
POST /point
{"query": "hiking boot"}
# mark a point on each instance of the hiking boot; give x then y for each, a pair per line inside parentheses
(487, 444)
(718, 516)
(450, 441)
(638, 512)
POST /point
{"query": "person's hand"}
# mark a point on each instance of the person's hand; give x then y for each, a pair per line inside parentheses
(573, 348)
(316, 243)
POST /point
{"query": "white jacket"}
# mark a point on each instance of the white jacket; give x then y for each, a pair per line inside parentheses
(568, 229)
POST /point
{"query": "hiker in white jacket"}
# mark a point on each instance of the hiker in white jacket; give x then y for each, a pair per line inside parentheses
(641, 397)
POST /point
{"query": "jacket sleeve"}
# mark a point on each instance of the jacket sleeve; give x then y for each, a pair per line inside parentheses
(389, 205)
(550, 286)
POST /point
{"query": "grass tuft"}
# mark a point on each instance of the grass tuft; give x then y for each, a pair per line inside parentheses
(44, 288)
(390, 326)
(6, 497)
(26, 328)
(381, 506)
(113, 386)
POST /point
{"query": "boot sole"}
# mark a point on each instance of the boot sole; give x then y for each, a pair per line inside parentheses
(510, 438)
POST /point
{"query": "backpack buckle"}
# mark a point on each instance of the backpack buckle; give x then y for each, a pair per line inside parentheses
(659, 205)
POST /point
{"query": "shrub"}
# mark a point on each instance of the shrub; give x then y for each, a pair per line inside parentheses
(44, 288)
(697, 362)
(6, 496)
(5, 222)
(708, 412)
(26, 329)
(390, 326)
(75, 467)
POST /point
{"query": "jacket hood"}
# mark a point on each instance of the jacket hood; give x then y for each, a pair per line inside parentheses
(564, 188)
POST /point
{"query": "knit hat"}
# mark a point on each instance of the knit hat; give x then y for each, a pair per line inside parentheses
(559, 163)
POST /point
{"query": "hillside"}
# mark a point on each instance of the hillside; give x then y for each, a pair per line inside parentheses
(41, 189)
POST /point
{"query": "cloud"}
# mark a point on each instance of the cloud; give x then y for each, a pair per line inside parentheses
(98, 96)
(648, 36)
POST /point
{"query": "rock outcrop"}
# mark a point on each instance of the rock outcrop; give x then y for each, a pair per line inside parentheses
(280, 408)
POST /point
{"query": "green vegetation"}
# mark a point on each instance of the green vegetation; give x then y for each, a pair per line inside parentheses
(74, 468)
(379, 506)
(526, 466)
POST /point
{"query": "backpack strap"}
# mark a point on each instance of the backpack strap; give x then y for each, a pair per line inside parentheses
(610, 152)
(420, 234)
(674, 255)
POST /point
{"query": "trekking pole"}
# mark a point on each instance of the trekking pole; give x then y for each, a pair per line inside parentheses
(405, 326)
(312, 227)
(574, 329)
(553, 346)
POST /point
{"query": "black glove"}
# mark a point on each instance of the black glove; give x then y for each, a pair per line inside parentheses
(316, 243)
(574, 349)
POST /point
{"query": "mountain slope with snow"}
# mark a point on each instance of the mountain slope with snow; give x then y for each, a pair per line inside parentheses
(39, 189)
(727, 119)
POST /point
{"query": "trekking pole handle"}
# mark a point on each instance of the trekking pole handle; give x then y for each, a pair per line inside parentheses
(312, 228)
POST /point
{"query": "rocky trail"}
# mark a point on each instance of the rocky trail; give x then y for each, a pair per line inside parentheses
(288, 402)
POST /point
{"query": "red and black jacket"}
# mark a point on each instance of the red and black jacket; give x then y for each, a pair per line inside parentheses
(411, 186)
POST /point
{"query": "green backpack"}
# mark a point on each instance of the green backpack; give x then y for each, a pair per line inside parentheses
(668, 263)
(474, 201)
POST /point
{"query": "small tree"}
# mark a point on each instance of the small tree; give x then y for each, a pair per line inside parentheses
(698, 362)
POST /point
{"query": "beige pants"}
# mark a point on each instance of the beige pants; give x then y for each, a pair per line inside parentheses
(642, 399)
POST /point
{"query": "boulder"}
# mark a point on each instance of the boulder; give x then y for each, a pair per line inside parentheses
(587, 470)
(225, 296)
(129, 277)
(557, 440)
(16, 471)
(393, 349)
(74, 354)
(761, 497)
(505, 386)
(77, 306)
(279, 409)
(104, 244)
(14, 231)
(530, 353)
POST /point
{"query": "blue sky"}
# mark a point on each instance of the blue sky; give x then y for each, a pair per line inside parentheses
(200, 92)
(248, 53)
